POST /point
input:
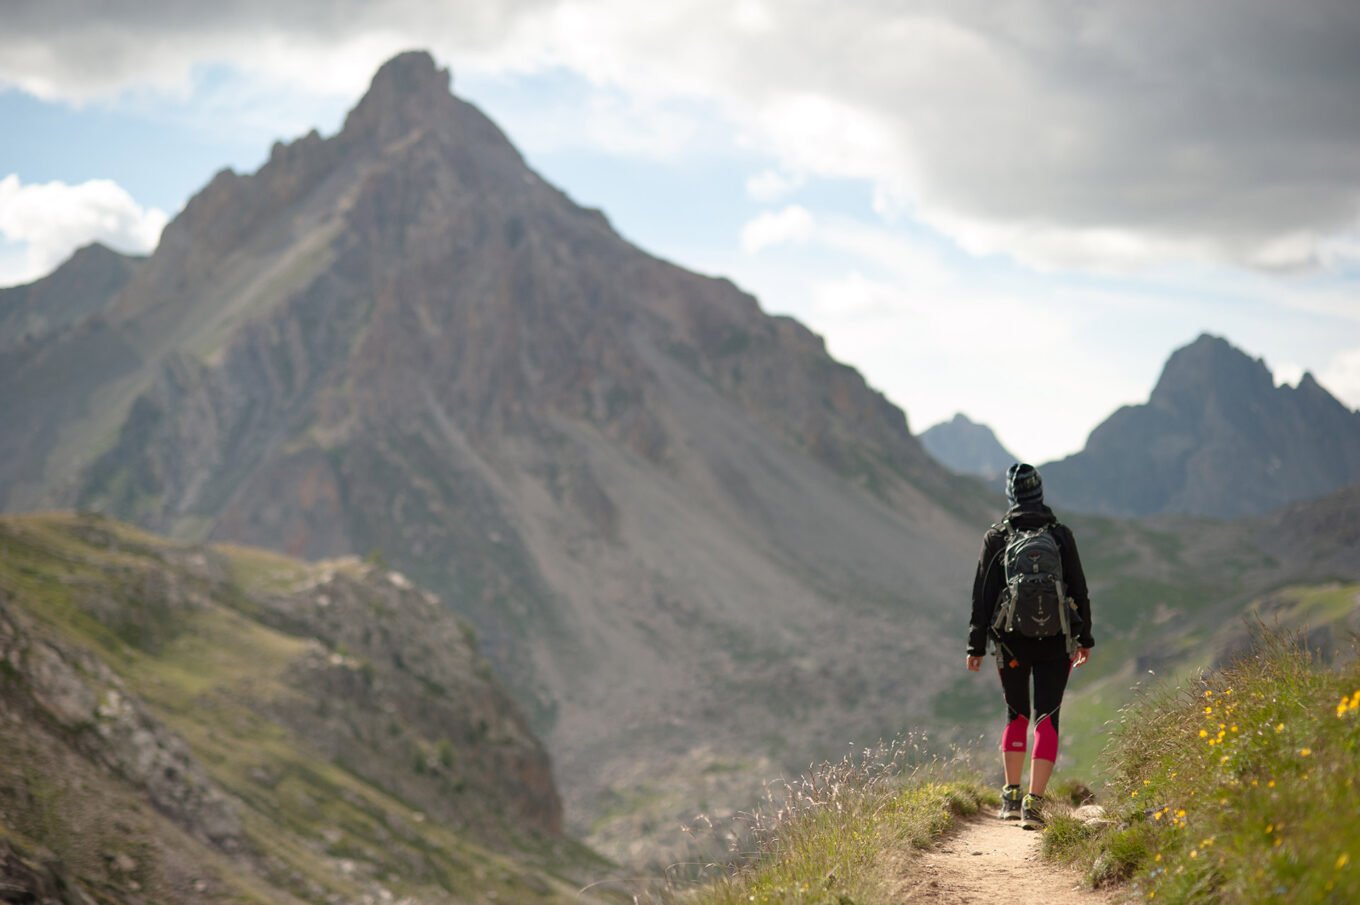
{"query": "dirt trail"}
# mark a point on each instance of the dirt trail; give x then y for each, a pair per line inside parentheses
(987, 861)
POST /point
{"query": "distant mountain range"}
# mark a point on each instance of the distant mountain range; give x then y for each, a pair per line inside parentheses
(967, 448)
(1216, 438)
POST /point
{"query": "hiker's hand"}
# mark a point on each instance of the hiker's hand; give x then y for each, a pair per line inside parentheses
(974, 664)
(1083, 654)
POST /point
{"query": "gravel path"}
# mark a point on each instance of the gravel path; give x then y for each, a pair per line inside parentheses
(988, 861)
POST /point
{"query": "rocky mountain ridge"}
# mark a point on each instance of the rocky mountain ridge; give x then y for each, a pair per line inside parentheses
(1216, 438)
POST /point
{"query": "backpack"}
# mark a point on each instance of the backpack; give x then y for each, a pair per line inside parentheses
(1034, 600)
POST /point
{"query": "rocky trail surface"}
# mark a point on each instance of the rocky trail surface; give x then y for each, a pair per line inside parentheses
(987, 861)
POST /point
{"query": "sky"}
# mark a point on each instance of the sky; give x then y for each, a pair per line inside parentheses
(1008, 208)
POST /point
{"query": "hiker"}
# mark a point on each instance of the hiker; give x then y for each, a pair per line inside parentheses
(1030, 599)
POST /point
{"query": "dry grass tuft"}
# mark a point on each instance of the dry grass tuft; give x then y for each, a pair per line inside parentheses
(834, 834)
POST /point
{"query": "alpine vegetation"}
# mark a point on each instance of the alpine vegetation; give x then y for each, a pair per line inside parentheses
(1237, 786)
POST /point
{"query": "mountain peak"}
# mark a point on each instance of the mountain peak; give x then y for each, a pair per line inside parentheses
(411, 71)
(967, 447)
(401, 95)
(82, 285)
(1208, 362)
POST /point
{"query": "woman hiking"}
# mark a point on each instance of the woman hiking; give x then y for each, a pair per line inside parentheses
(1030, 599)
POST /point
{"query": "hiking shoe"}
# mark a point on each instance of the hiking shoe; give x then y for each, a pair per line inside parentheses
(1010, 803)
(1032, 812)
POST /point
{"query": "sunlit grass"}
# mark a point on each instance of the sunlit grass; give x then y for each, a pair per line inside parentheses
(1237, 787)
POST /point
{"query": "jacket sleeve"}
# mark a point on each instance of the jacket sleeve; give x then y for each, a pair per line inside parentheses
(986, 588)
(1075, 580)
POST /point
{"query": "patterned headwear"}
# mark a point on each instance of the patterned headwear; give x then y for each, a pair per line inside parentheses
(1023, 484)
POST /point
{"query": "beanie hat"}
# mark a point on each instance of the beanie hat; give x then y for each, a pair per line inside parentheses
(1023, 484)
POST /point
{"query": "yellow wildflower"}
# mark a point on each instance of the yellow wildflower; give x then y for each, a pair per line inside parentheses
(1304, 752)
(1204, 733)
(1343, 860)
(1279, 727)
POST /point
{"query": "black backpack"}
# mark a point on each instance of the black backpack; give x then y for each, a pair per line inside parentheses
(1034, 600)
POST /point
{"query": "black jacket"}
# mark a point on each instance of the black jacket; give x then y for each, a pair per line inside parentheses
(991, 575)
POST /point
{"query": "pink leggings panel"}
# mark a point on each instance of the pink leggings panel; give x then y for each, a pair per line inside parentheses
(1016, 735)
(1045, 739)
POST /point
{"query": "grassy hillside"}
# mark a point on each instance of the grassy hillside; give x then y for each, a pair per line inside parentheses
(219, 724)
(1235, 786)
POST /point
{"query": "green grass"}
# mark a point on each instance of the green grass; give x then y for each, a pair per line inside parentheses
(839, 835)
(1238, 786)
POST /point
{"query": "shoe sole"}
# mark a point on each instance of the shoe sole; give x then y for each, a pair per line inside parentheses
(1031, 824)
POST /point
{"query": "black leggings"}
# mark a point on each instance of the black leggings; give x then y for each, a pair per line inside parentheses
(1047, 663)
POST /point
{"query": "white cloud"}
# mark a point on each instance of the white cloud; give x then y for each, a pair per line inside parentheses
(1342, 377)
(769, 186)
(50, 220)
(607, 122)
(855, 296)
(793, 224)
(1287, 373)
(962, 348)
